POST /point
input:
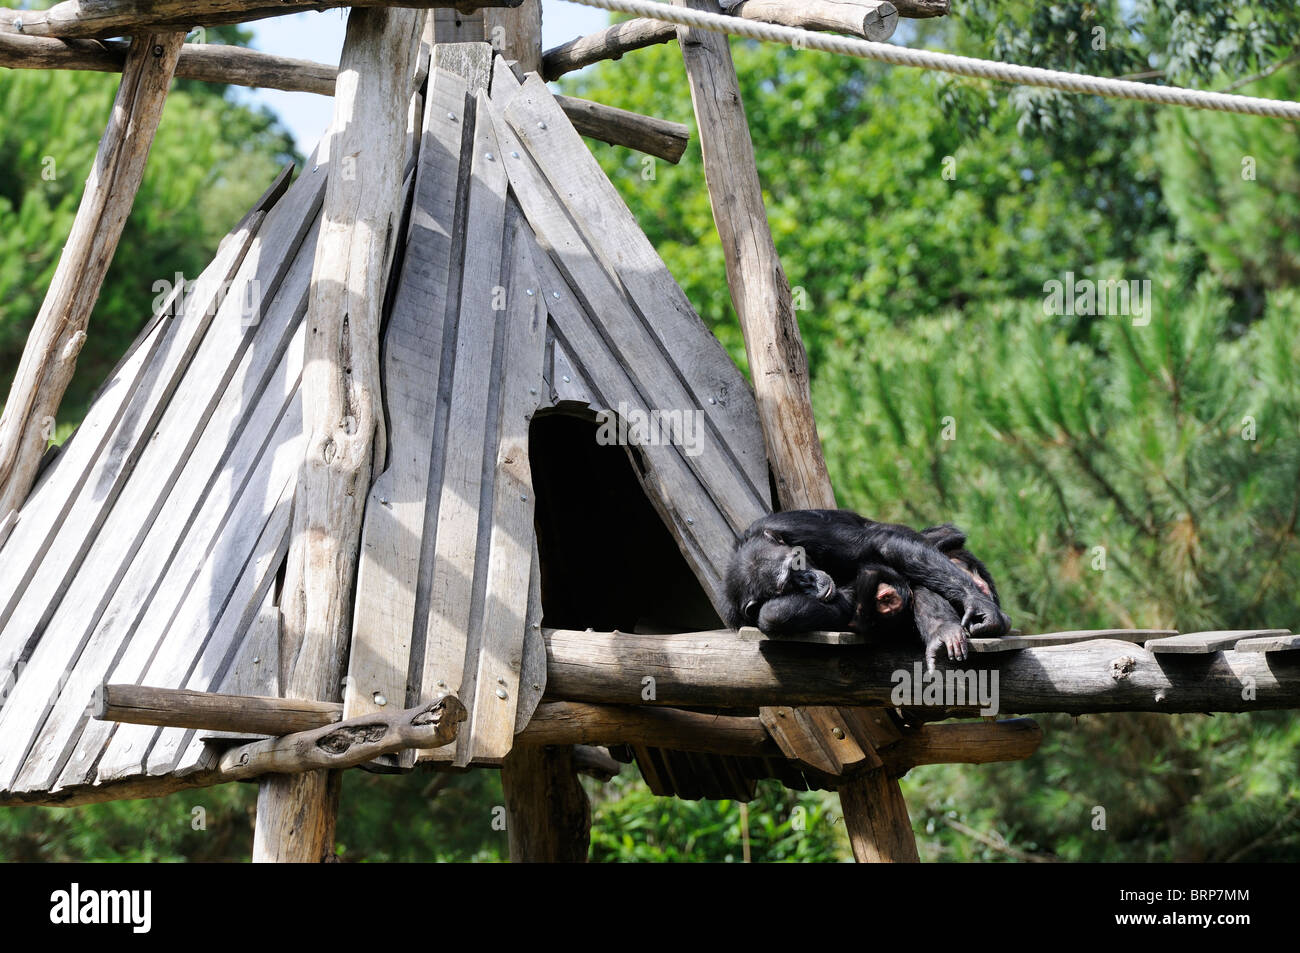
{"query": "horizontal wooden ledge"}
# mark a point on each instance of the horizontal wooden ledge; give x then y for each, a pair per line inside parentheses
(104, 18)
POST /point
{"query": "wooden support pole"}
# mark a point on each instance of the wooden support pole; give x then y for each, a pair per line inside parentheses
(868, 19)
(243, 67)
(91, 19)
(208, 62)
(517, 34)
(367, 149)
(548, 816)
(619, 127)
(181, 708)
(50, 356)
(778, 366)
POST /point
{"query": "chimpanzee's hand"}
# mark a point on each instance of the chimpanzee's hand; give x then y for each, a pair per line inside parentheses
(949, 637)
(983, 619)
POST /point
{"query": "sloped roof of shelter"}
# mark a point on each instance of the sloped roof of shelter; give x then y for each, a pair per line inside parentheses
(149, 551)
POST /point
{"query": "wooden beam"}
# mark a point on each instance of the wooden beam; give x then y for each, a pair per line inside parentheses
(56, 338)
(367, 149)
(875, 815)
(208, 62)
(238, 66)
(868, 19)
(699, 669)
(619, 127)
(181, 708)
(971, 742)
(91, 19)
(348, 743)
(548, 816)
(635, 34)
(573, 723)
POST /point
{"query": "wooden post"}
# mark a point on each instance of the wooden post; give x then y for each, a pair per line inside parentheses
(367, 149)
(56, 338)
(548, 816)
(517, 34)
(778, 364)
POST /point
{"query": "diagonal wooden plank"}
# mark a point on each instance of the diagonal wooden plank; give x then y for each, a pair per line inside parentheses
(388, 575)
(615, 238)
(459, 542)
(490, 730)
(690, 508)
(164, 568)
(549, 202)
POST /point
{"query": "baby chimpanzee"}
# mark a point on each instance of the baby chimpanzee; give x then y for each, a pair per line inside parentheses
(833, 569)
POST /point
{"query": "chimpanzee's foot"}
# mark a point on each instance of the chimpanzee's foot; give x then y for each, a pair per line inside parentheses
(949, 638)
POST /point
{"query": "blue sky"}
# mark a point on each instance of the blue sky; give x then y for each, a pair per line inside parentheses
(319, 36)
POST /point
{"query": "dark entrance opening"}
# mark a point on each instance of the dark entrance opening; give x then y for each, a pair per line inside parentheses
(607, 560)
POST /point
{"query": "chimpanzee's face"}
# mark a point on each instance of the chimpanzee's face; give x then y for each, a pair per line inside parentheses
(766, 567)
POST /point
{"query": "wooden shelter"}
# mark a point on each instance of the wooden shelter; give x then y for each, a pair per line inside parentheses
(350, 499)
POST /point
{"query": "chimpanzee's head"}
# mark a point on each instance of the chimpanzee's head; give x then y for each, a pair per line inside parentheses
(764, 566)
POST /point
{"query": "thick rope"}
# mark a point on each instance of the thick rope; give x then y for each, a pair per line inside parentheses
(951, 63)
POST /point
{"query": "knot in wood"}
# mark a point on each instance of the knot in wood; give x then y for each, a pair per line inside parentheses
(1122, 667)
(73, 347)
(337, 742)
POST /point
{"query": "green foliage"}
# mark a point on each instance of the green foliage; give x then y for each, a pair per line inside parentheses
(631, 824)
(209, 162)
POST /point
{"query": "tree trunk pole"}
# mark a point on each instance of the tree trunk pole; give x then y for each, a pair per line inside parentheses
(778, 364)
(548, 816)
(367, 148)
(50, 356)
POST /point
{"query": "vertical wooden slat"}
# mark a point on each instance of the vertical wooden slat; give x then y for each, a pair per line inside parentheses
(341, 399)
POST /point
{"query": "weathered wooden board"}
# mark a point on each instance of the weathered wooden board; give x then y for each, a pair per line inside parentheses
(452, 638)
(750, 633)
(567, 384)
(1014, 643)
(1205, 643)
(388, 574)
(172, 473)
(1270, 643)
(491, 725)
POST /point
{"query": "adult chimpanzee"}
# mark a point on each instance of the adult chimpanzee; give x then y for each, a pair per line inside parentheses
(833, 569)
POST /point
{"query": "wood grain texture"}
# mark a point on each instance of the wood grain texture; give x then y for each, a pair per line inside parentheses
(341, 397)
(207, 62)
(699, 669)
(1204, 643)
(105, 18)
(868, 19)
(875, 814)
(1271, 643)
(1013, 643)
(620, 127)
(181, 708)
(548, 816)
(516, 34)
(56, 338)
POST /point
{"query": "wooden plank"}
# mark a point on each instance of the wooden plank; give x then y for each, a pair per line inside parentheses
(532, 675)
(618, 371)
(175, 472)
(186, 467)
(1203, 643)
(342, 400)
(750, 633)
(511, 543)
(624, 264)
(1271, 643)
(59, 331)
(567, 385)
(516, 34)
(471, 61)
(798, 738)
(453, 26)
(1014, 643)
(460, 548)
(388, 575)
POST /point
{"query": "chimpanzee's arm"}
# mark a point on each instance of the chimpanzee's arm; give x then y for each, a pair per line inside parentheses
(798, 612)
(938, 626)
